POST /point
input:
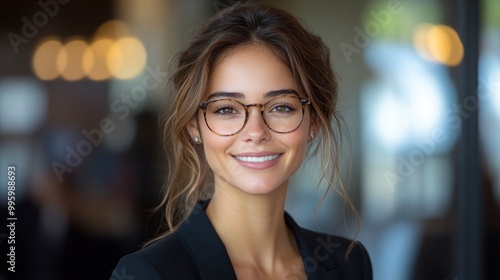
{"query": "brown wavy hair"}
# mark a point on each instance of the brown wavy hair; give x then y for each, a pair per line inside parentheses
(189, 177)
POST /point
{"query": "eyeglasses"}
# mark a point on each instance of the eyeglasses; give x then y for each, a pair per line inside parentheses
(282, 114)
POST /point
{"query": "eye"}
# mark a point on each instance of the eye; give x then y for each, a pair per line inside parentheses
(226, 111)
(282, 108)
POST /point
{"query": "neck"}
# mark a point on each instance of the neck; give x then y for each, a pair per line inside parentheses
(252, 227)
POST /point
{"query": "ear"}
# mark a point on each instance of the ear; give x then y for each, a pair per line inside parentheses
(192, 128)
(314, 125)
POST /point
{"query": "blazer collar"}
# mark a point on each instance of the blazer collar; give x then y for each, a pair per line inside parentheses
(212, 261)
(317, 264)
(204, 245)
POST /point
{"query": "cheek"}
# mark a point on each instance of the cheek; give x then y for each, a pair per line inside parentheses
(297, 143)
(300, 140)
(215, 147)
(300, 144)
(300, 136)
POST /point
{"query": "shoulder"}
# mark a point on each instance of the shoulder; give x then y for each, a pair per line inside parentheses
(164, 259)
(328, 250)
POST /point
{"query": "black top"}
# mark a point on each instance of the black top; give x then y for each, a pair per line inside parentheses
(195, 251)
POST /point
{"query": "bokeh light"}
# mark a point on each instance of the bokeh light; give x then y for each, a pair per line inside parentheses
(23, 105)
(439, 43)
(70, 60)
(126, 58)
(112, 53)
(112, 29)
(94, 60)
(44, 61)
(420, 40)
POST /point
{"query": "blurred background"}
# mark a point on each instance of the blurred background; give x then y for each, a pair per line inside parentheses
(82, 84)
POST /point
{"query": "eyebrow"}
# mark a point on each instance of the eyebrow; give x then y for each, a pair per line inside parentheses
(239, 95)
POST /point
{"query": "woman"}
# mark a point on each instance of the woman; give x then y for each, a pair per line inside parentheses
(253, 92)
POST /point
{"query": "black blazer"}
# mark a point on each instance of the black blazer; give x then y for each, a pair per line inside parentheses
(195, 251)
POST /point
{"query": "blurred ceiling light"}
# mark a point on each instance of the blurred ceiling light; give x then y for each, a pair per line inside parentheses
(45, 57)
(70, 60)
(439, 43)
(112, 29)
(94, 60)
(126, 58)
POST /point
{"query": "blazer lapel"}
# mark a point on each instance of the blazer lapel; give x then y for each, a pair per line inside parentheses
(205, 247)
(317, 266)
(212, 261)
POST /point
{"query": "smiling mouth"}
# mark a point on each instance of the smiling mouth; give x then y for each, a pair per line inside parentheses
(258, 159)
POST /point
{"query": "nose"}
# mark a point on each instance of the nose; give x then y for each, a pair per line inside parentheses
(256, 129)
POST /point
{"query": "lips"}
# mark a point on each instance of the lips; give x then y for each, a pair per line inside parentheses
(258, 161)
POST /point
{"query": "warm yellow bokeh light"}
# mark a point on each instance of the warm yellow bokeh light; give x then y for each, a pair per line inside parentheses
(45, 57)
(70, 60)
(94, 60)
(112, 53)
(445, 45)
(112, 29)
(126, 58)
(438, 43)
(420, 40)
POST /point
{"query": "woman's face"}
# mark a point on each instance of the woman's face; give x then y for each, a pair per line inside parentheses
(255, 160)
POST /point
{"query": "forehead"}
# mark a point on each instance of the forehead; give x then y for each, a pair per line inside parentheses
(251, 70)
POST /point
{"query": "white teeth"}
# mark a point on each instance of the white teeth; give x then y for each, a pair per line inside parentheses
(258, 159)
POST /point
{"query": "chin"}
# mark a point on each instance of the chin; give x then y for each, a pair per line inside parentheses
(260, 188)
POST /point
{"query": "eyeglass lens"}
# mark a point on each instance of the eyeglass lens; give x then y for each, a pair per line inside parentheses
(228, 116)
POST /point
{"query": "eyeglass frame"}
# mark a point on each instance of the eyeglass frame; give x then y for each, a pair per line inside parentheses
(303, 102)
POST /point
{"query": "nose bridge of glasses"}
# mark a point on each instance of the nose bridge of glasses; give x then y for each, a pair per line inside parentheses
(260, 108)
